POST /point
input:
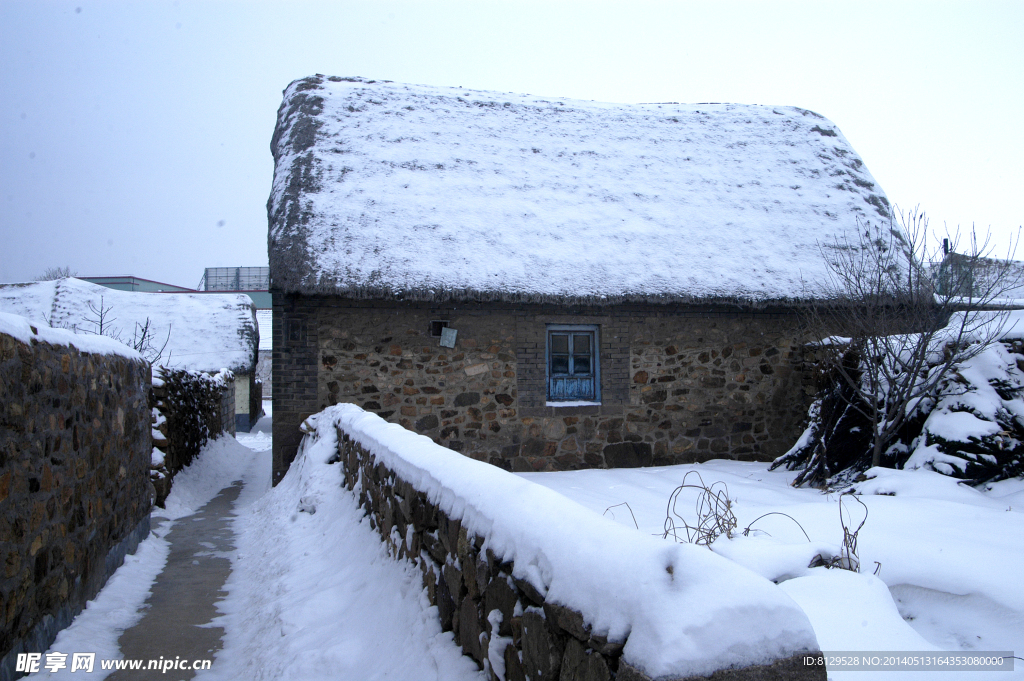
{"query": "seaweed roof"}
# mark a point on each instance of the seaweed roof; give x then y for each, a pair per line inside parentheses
(204, 332)
(385, 190)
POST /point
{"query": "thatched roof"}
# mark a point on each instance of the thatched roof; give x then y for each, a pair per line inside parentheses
(204, 332)
(428, 193)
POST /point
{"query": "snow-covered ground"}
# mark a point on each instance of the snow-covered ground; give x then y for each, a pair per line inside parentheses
(947, 556)
(313, 594)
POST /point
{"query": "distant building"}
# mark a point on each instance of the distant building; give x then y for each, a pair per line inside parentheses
(130, 283)
(252, 281)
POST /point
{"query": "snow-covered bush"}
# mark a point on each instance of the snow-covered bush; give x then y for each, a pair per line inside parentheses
(188, 414)
(970, 427)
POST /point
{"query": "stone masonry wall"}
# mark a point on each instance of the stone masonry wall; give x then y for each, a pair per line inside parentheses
(490, 612)
(678, 385)
(75, 450)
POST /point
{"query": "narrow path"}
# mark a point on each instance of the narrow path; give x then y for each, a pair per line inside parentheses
(182, 604)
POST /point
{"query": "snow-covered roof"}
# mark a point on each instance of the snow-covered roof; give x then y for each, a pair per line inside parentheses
(417, 192)
(204, 332)
(23, 330)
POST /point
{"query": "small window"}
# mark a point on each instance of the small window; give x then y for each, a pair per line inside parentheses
(572, 364)
(294, 331)
(436, 326)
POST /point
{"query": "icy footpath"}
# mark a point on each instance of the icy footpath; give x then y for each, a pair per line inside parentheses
(121, 604)
(314, 595)
(311, 595)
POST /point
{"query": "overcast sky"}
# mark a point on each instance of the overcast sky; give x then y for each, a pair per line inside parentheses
(134, 136)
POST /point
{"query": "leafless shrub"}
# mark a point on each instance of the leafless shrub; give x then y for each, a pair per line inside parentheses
(714, 513)
(904, 323)
(627, 507)
(143, 339)
(748, 528)
(101, 318)
(52, 273)
(848, 558)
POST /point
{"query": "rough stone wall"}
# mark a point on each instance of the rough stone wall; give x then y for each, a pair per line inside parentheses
(678, 384)
(74, 483)
(480, 601)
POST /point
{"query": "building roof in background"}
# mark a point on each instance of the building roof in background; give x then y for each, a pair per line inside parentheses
(205, 332)
(130, 283)
(431, 193)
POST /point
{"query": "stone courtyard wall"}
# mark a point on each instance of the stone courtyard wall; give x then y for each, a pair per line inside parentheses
(75, 451)
(679, 384)
(493, 615)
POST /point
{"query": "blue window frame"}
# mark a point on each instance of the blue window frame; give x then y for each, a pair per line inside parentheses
(573, 367)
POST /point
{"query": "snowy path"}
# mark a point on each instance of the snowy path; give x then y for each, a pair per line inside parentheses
(309, 595)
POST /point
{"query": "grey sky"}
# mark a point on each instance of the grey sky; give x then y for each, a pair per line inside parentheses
(134, 136)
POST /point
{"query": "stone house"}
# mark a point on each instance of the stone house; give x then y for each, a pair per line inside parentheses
(547, 283)
(190, 330)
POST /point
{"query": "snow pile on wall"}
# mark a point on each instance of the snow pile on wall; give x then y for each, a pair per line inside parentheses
(429, 192)
(203, 332)
(26, 331)
(680, 609)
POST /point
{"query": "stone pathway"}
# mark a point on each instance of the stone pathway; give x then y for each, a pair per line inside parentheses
(182, 605)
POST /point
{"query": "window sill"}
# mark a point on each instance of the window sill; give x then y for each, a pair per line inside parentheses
(573, 403)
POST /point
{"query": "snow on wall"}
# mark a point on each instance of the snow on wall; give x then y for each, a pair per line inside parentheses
(207, 332)
(26, 331)
(432, 192)
(681, 609)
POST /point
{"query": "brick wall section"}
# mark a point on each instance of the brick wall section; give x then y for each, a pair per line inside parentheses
(75, 451)
(467, 583)
(294, 371)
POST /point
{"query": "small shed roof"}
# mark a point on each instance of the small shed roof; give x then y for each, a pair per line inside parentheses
(205, 332)
(416, 192)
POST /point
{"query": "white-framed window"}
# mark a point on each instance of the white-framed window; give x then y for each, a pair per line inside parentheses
(573, 364)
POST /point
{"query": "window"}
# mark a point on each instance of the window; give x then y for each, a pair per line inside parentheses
(436, 326)
(572, 364)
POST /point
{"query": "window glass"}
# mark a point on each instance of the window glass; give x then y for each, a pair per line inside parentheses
(559, 364)
(560, 343)
(581, 364)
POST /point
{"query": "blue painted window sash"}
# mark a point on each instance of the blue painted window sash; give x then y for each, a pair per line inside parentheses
(573, 374)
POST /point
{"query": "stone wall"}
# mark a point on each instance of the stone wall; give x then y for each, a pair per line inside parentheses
(678, 384)
(491, 613)
(74, 492)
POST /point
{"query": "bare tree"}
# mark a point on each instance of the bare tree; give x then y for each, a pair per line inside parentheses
(143, 337)
(52, 273)
(905, 323)
(102, 320)
(142, 341)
